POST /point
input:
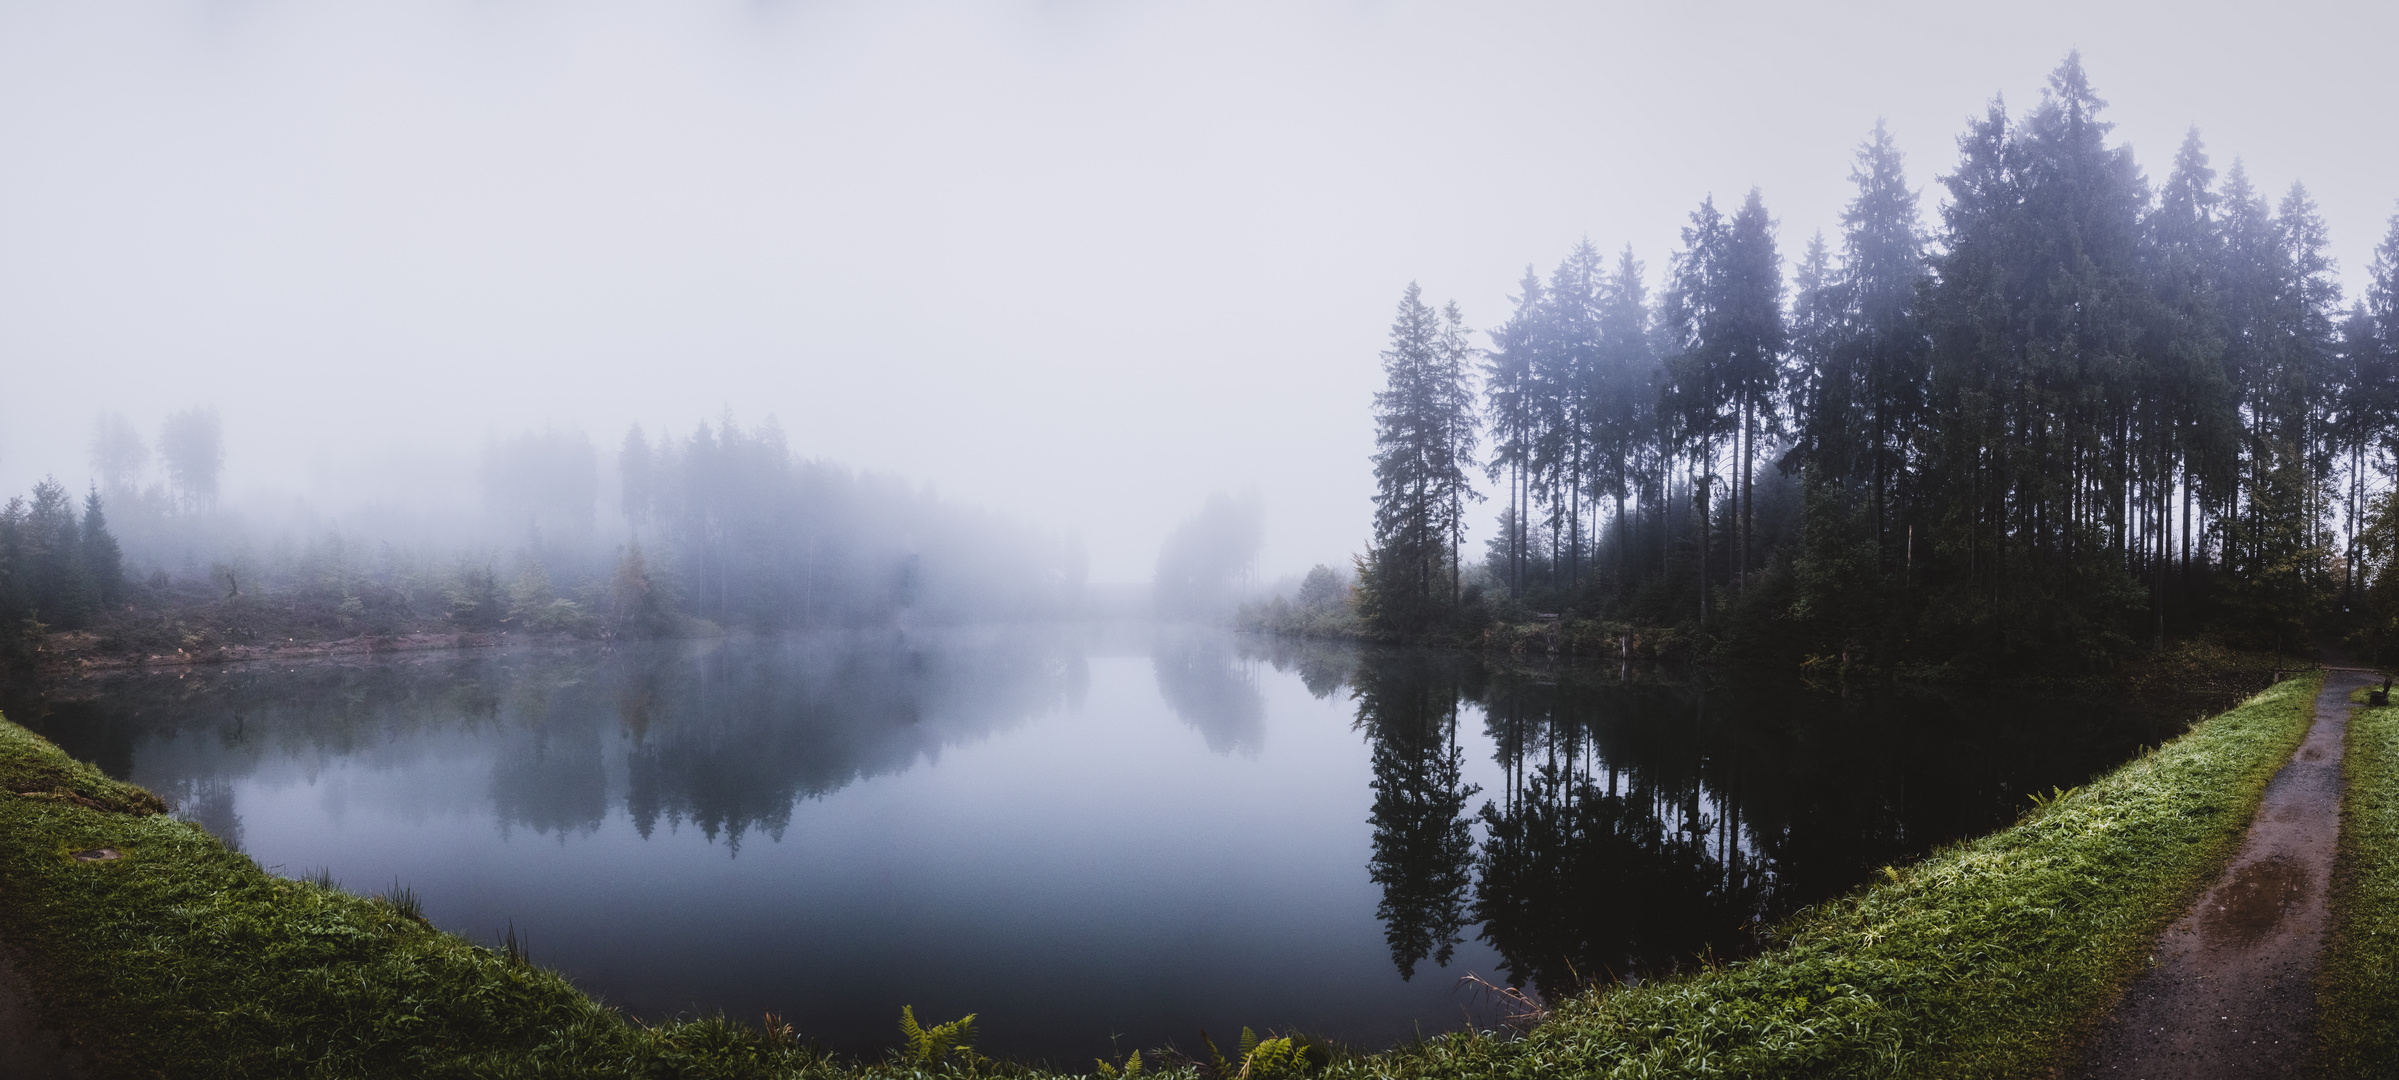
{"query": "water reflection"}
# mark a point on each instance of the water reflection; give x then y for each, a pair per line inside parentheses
(1638, 827)
(1019, 823)
(726, 740)
(1210, 688)
(1423, 842)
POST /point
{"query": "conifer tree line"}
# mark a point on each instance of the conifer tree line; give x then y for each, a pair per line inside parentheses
(723, 528)
(2076, 411)
(58, 568)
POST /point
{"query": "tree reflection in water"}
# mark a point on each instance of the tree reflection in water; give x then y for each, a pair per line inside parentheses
(1641, 827)
(725, 739)
(1580, 877)
(1422, 840)
(1209, 687)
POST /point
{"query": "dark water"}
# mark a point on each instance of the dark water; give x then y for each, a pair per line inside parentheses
(1083, 835)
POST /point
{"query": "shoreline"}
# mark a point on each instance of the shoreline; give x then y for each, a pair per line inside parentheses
(1875, 972)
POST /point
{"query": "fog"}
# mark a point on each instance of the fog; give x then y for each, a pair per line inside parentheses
(1079, 263)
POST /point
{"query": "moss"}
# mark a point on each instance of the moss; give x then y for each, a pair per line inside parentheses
(185, 959)
(2358, 992)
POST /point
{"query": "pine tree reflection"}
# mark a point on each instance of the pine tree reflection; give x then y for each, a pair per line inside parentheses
(1612, 849)
(1609, 854)
(1423, 842)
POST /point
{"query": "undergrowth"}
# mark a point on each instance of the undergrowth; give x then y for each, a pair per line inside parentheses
(2358, 995)
(182, 958)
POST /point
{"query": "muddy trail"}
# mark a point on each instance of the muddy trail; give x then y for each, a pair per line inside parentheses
(2232, 990)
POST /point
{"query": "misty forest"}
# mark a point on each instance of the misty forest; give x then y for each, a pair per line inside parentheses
(2078, 413)
(723, 525)
(1840, 656)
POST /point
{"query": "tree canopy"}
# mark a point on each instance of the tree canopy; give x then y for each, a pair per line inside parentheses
(2077, 412)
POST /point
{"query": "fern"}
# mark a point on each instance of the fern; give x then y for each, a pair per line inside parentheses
(1286, 1057)
(934, 1045)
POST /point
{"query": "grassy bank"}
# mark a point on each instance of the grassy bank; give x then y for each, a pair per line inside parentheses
(2359, 994)
(182, 958)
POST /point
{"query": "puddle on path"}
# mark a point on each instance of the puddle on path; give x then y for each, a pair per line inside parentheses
(2253, 902)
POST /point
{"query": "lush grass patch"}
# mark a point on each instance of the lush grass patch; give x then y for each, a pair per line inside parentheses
(2359, 994)
(184, 959)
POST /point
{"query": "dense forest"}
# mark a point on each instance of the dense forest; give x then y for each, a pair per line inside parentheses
(721, 529)
(2078, 413)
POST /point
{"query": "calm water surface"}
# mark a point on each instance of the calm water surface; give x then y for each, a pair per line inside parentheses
(1089, 836)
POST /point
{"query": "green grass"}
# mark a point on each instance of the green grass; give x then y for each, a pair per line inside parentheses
(185, 959)
(2359, 988)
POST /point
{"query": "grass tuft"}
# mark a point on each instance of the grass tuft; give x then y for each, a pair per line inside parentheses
(2358, 991)
(404, 902)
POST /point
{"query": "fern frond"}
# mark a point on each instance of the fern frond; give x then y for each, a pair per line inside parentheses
(920, 1046)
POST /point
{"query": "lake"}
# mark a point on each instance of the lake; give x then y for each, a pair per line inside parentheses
(1098, 838)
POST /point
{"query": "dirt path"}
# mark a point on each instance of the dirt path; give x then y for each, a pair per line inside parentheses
(2232, 990)
(29, 1051)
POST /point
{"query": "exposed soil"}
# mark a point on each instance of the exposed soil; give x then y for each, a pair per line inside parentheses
(2231, 988)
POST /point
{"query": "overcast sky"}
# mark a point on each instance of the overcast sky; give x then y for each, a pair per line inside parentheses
(1086, 261)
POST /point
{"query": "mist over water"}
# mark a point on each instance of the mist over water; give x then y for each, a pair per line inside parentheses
(1080, 263)
(1077, 832)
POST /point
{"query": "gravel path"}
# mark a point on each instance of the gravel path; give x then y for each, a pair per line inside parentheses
(2231, 991)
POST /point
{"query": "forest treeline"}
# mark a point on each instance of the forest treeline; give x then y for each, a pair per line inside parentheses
(724, 528)
(55, 563)
(2077, 412)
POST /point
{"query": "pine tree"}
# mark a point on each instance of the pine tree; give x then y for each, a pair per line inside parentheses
(1697, 381)
(1566, 371)
(1882, 274)
(2185, 346)
(1425, 437)
(1511, 400)
(1623, 393)
(103, 562)
(1825, 391)
(1755, 337)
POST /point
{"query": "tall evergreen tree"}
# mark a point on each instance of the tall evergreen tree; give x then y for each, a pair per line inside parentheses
(1567, 367)
(1511, 394)
(1698, 378)
(1624, 371)
(2199, 439)
(1882, 274)
(1425, 437)
(1826, 393)
(103, 562)
(1751, 307)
